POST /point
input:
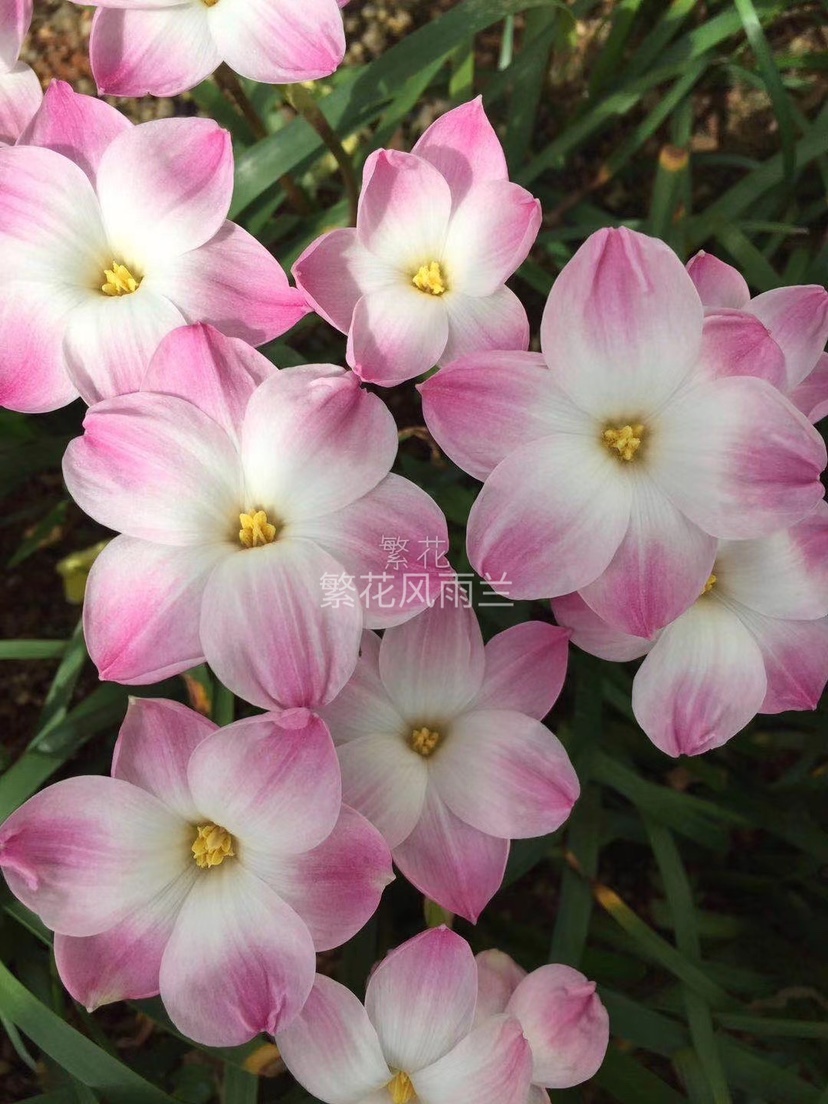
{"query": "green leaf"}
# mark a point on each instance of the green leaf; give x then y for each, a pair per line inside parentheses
(32, 649)
(240, 1087)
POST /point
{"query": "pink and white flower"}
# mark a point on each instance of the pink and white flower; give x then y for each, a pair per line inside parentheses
(210, 867)
(614, 461)
(441, 746)
(421, 280)
(238, 501)
(414, 1039)
(795, 318)
(164, 47)
(112, 239)
(563, 1019)
(755, 641)
(20, 91)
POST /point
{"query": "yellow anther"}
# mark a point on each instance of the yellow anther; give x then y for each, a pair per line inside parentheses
(212, 845)
(429, 278)
(209, 3)
(626, 440)
(401, 1089)
(256, 529)
(424, 741)
(119, 280)
(708, 586)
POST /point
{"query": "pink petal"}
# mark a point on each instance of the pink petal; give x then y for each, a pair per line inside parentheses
(277, 43)
(165, 187)
(314, 441)
(15, 17)
(797, 318)
(396, 334)
(505, 774)
(433, 664)
(239, 961)
(481, 408)
(20, 97)
(702, 682)
(403, 212)
(622, 325)
(335, 271)
(718, 284)
(421, 998)
(276, 788)
(480, 323)
(331, 1048)
(396, 514)
(565, 1023)
(154, 747)
(735, 343)
(594, 635)
(234, 283)
(811, 396)
(525, 669)
(659, 570)
(336, 886)
(760, 464)
(384, 779)
(463, 147)
(454, 864)
(123, 962)
(363, 705)
(157, 468)
(267, 632)
(217, 374)
(498, 976)
(492, 1065)
(64, 852)
(549, 518)
(79, 127)
(152, 51)
(33, 376)
(795, 654)
(142, 606)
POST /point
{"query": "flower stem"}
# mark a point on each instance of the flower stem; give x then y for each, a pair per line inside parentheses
(303, 102)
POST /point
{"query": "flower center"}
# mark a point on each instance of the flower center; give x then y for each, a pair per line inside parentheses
(626, 440)
(256, 529)
(430, 279)
(209, 3)
(401, 1089)
(212, 845)
(708, 586)
(119, 280)
(425, 742)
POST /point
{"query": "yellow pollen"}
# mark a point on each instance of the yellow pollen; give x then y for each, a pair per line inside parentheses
(429, 278)
(401, 1089)
(708, 586)
(212, 846)
(256, 529)
(424, 741)
(119, 280)
(626, 440)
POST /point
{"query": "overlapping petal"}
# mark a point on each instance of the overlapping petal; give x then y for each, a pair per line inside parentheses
(491, 1065)
(463, 146)
(525, 669)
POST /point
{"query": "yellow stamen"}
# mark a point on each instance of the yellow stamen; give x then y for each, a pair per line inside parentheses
(424, 741)
(626, 440)
(119, 280)
(430, 279)
(708, 586)
(212, 845)
(209, 3)
(256, 529)
(401, 1089)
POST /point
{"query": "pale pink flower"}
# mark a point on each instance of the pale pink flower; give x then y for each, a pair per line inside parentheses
(414, 1039)
(110, 239)
(421, 280)
(237, 501)
(755, 641)
(614, 461)
(794, 318)
(164, 47)
(563, 1019)
(441, 746)
(210, 867)
(20, 91)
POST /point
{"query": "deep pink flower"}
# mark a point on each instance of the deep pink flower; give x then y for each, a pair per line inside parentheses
(414, 1040)
(794, 318)
(613, 462)
(237, 500)
(441, 746)
(210, 867)
(563, 1019)
(20, 91)
(421, 280)
(755, 641)
(113, 237)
